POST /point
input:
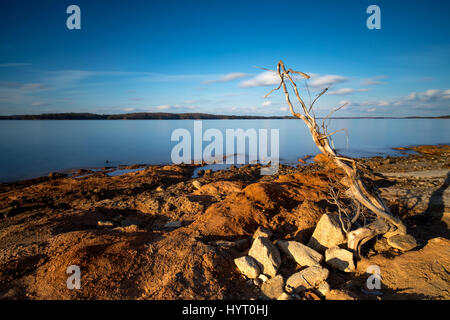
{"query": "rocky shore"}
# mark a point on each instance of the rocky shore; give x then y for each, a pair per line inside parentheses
(156, 232)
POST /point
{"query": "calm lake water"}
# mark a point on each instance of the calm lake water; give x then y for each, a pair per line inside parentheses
(34, 148)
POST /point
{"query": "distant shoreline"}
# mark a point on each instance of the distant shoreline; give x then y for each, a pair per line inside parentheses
(173, 116)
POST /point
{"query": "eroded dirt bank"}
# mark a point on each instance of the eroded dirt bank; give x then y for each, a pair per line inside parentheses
(154, 234)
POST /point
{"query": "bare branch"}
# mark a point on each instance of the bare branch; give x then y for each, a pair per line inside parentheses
(361, 193)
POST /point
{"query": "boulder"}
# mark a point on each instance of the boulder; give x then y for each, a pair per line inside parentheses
(284, 296)
(403, 242)
(323, 288)
(196, 184)
(308, 278)
(328, 233)
(303, 255)
(248, 266)
(340, 259)
(263, 277)
(262, 232)
(273, 287)
(266, 255)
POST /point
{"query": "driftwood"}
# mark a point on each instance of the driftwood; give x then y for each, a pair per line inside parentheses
(386, 223)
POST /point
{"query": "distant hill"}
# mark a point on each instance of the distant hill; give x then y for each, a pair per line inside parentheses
(129, 116)
(169, 116)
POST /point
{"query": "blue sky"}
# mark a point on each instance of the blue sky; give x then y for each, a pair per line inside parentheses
(200, 56)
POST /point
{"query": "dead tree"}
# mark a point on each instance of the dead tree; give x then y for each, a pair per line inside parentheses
(386, 223)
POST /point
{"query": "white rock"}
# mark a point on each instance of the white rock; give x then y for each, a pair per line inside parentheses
(263, 277)
(196, 184)
(248, 266)
(266, 255)
(340, 259)
(273, 288)
(306, 279)
(324, 287)
(303, 255)
(403, 242)
(262, 232)
(284, 296)
(105, 224)
(328, 233)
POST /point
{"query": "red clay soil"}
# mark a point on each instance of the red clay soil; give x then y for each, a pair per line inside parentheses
(52, 223)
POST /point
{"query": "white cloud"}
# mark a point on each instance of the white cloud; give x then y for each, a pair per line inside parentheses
(345, 91)
(39, 104)
(266, 78)
(431, 95)
(434, 100)
(227, 77)
(326, 80)
(373, 81)
(267, 103)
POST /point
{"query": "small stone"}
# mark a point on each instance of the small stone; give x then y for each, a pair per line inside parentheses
(262, 232)
(308, 278)
(273, 287)
(173, 224)
(159, 189)
(263, 277)
(196, 184)
(266, 255)
(55, 175)
(128, 229)
(328, 233)
(209, 171)
(284, 296)
(257, 282)
(403, 242)
(340, 259)
(247, 266)
(303, 255)
(105, 224)
(324, 287)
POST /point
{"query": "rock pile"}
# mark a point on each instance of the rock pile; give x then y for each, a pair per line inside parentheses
(264, 260)
(325, 249)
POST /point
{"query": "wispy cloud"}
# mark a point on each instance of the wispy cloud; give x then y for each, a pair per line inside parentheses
(433, 100)
(346, 91)
(40, 104)
(23, 86)
(374, 80)
(326, 80)
(227, 77)
(266, 78)
(14, 64)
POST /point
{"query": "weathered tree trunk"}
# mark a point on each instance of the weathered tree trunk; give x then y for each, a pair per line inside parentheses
(386, 223)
